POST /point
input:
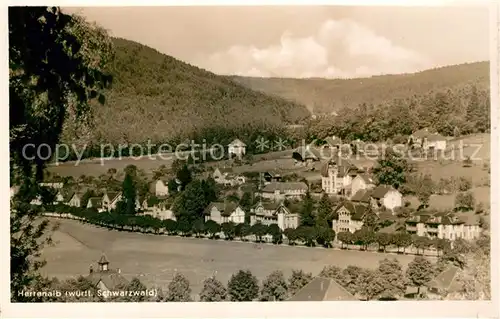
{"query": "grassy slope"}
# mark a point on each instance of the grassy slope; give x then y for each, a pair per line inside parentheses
(156, 96)
(324, 95)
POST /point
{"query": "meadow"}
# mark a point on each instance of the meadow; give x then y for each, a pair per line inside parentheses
(155, 259)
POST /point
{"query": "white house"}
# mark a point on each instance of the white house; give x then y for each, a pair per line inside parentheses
(237, 215)
(75, 199)
(158, 209)
(306, 155)
(59, 197)
(95, 202)
(110, 200)
(386, 196)
(361, 182)
(286, 218)
(160, 187)
(337, 175)
(268, 213)
(236, 148)
(349, 217)
(279, 191)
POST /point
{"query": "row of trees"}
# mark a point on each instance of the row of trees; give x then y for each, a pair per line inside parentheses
(242, 286)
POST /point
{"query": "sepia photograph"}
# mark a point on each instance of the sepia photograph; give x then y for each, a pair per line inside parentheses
(267, 153)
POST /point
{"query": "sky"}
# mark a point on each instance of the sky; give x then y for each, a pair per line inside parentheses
(305, 41)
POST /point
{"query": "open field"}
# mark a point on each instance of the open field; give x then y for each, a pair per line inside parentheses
(154, 259)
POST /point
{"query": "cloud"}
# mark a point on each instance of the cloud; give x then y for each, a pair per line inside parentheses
(339, 49)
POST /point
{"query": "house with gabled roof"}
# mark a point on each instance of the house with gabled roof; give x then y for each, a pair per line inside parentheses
(274, 175)
(59, 197)
(226, 176)
(95, 202)
(386, 196)
(160, 187)
(444, 283)
(306, 155)
(348, 216)
(361, 181)
(427, 139)
(223, 212)
(75, 199)
(236, 148)
(444, 226)
(337, 175)
(323, 289)
(106, 279)
(110, 200)
(278, 191)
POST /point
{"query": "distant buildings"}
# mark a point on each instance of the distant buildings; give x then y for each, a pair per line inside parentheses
(382, 196)
(444, 226)
(337, 175)
(278, 191)
(226, 176)
(427, 140)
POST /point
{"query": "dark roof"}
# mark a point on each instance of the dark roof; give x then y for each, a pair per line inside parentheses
(268, 205)
(362, 196)
(366, 178)
(322, 289)
(284, 186)
(307, 152)
(380, 191)
(357, 211)
(225, 208)
(95, 201)
(112, 195)
(112, 279)
(443, 281)
(344, 167)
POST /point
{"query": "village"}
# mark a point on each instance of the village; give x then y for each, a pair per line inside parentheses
(276, 196)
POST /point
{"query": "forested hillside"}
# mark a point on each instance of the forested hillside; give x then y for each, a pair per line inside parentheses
(156, 97)
(451, 112)
(326, 95)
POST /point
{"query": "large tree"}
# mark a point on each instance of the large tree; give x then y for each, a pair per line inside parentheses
(274, 287)
(419, 271)
(56, 64)
(307, 211)
(391, 169)
(243, 286)
(213, 290)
